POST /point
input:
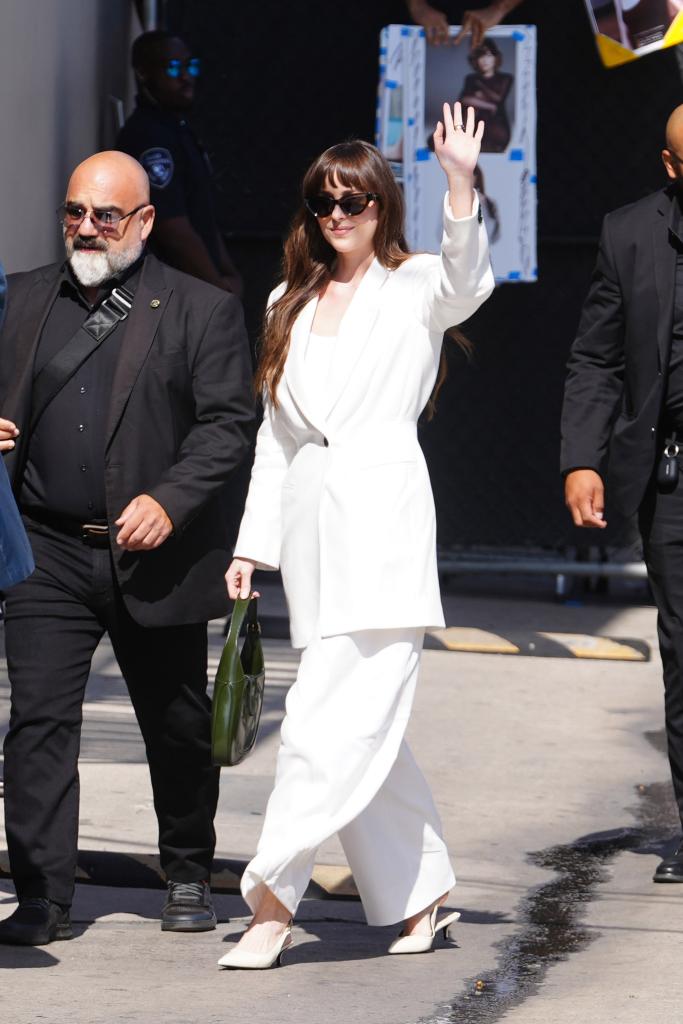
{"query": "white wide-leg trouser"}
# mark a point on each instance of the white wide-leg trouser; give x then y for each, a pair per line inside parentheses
(343, 766)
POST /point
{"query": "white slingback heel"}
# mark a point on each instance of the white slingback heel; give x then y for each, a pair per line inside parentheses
(239, 959)
(422, 943)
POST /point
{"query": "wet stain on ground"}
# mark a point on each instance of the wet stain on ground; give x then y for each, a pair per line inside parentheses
(551, 915)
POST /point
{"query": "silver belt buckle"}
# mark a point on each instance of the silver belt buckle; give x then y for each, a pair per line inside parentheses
(93, 530)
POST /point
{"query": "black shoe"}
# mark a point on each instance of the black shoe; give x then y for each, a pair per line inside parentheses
(188, 908)
(35, 922)
(671, 868)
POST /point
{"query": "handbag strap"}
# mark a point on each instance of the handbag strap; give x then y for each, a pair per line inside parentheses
(245, 607)
(97, 326)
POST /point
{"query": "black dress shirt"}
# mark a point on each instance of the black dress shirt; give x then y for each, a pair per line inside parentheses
(673, 403)
(64, 473)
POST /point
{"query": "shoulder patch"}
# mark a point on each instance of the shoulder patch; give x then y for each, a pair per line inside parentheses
(158, 163)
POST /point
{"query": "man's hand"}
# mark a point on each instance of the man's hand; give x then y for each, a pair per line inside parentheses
(477, 23)
(144, 525)
(433, 21)
(8, 431)
(584, 495)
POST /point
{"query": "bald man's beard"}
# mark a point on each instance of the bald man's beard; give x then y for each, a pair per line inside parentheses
(94, 268)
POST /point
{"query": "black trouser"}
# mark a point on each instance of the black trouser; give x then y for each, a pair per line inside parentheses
(661, 526)
(54, 621)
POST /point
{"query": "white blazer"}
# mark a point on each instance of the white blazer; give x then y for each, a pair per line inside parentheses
(340, 498)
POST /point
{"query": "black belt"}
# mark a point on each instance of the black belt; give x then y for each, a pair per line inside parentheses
(94, 533)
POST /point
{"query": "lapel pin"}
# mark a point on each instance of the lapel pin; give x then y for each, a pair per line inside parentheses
(155, 303)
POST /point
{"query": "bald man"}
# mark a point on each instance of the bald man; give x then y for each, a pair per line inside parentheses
(125, 406)
(622, 420)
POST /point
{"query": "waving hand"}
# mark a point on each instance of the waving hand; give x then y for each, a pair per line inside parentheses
(456, 143)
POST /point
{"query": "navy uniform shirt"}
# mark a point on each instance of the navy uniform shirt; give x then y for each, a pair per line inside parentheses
(178, 170)
(64, 472)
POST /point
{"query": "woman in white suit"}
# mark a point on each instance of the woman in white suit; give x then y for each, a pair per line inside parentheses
(340, 501)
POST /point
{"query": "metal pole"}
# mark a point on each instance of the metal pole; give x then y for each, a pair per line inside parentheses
(150, 14)
(451, 565)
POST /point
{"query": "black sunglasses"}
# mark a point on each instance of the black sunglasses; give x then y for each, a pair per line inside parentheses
(72, 214)
(350, 206)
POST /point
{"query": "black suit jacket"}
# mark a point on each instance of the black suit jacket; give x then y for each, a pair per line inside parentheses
(618, 363)
(181, 419)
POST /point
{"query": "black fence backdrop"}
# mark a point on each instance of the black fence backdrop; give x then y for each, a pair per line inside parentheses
(284, 81)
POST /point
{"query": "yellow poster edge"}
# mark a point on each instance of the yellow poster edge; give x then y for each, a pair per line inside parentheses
(675, 34)
(612, 53)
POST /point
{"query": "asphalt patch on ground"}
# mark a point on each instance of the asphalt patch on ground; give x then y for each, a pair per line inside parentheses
(552, 913)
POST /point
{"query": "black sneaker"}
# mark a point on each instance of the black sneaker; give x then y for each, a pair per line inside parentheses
(188, 908)
(35, 922)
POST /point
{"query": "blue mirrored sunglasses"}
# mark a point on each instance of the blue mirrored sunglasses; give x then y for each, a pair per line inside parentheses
(174, 67)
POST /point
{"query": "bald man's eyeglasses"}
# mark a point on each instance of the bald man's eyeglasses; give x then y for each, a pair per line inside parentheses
(174, 67)
(72, 215)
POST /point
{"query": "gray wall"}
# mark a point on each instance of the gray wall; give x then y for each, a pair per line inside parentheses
(60, 60)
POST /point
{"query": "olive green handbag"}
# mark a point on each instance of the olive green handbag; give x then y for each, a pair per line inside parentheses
(238, 690)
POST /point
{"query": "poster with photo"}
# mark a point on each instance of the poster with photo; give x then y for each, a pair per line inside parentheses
(627, 29)
(498, 78)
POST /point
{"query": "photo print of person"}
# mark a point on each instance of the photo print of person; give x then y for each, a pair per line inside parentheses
(486, 89)
(477, 79)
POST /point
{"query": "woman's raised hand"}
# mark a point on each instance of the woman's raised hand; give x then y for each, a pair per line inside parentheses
(238, 578)
(457, 143)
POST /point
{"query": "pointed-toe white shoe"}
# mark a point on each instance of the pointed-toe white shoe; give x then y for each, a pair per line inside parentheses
(422, 943)
(239, 959)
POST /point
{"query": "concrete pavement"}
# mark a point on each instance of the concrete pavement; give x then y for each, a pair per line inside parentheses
(525, 756)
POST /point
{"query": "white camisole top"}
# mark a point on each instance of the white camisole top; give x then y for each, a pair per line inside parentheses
(319, 355)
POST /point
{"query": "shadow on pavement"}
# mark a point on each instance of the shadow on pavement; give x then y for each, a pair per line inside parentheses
(13, 958)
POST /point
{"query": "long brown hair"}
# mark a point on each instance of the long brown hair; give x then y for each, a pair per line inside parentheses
(308, 259)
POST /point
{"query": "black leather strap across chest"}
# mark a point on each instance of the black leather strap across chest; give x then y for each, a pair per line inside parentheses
(95, 329)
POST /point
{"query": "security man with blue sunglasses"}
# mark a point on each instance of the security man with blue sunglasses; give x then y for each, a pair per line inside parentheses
(186, 232)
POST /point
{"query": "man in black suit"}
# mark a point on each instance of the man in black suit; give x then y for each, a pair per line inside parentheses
(623, 413)
(125, 391)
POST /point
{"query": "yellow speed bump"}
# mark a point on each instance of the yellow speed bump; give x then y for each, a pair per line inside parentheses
(466, 639)
(478, 641)
(599, 647)
(335, 881)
